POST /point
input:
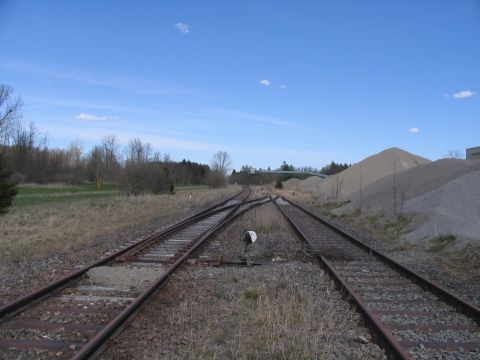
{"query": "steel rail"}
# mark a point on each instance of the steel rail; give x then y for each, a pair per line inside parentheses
(22, 302)
(461, 304)
(392, 344)
(95, 345)
(147, 242)
(384, 334)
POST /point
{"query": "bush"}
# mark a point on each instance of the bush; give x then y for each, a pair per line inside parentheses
(251, 294)
(7, 188)
(278, 184)
(215, 179)
(440, 243)
(147, 178)
(17, 178)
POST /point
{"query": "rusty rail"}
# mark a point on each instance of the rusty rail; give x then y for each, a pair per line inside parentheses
(21, 303)
(447, 295)
(391, 343)
(94, 347)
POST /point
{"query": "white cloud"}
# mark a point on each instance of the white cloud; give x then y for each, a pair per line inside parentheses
(414, 130)
(283, 86)
(182, 27)
(265, 82)
(463, 94)
(90, 117)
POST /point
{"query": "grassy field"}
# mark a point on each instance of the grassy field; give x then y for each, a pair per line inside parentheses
(37, 195)
(191, 187)
(45, 194)
(30, 231)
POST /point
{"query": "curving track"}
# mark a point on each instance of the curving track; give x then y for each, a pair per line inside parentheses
(414, 317)
(74, 316)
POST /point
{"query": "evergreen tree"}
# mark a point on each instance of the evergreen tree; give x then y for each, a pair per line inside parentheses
(7, 189)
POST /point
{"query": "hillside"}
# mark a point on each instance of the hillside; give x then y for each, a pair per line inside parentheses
(453, 208)
(364, 173)
(377, 198)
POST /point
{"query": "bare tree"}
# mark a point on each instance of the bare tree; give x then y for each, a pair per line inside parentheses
(219, 168)
(138, 152)
(111, 156)
(74, 154)
(404, 189)
(9, 113)
(96, 165)
(337, 186)
(453, 154)
(361, 187)
(221, 162)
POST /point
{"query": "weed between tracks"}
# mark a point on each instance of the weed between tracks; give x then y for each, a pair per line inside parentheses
(273, 320)
(440, 243)
(38, 231)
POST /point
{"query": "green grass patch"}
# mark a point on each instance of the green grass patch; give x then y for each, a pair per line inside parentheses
(251, 294)
(39, 195)
(221, 296)
(191, 187)
(440, 243)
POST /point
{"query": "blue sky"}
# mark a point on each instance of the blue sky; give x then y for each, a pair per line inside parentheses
(303, 81)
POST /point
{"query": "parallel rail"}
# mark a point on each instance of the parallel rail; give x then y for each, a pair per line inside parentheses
(19, 304)
(198, 228)
(414, 317)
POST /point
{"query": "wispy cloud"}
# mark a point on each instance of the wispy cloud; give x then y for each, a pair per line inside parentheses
(463, 94)
(169, 143)
(265, 82)
(116, 81)
(90, 117)
(182, 27)
(414, 130)
(260, 118)
(283, 86)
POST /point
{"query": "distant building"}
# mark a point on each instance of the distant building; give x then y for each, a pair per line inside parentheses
(473, 153)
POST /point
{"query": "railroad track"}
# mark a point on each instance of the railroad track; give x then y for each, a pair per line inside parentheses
(413, 317)
(75, 316)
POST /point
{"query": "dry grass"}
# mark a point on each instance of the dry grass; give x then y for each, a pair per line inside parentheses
(271, 320)
(464, 264)
(265, 219)
(38, 231)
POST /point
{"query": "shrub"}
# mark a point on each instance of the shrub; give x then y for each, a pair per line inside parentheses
(440, 243)
(7, 188)
(215, 179)
(278, 184)
(251, 294)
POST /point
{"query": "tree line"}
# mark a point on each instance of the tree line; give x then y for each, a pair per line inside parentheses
(136, 167)
(25, 157)
(247, 175)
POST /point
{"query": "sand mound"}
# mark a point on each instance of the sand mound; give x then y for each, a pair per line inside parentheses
(378, 197)
(311, 183)
(453, 208)
(291, 184)
(366, 172)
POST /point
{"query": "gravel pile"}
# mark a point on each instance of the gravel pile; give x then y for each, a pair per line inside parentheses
(424, 178)
(291, 184)
(453, 208)
(365, 172)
